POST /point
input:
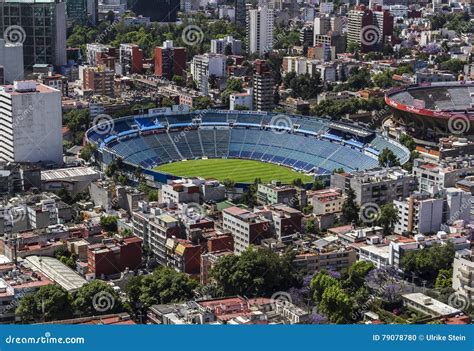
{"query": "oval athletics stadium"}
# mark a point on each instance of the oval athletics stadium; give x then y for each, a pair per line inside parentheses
(171, 143)
(429, 111)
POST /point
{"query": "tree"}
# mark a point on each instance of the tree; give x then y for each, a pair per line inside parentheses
(163, 286)
(336, 304)
(320, 282)
(357, 274)
(388, 217)
(256, 272)
(179, 80)
(202, 103)
(408, 142)
(49, 303)
(96, 298)
(318, 184)
(444, 279)
(350, 210)
(109, 223)
(310, 226)
(388, 159)
(87, 151)
(453, 65)
(383, 79)
(427, 263)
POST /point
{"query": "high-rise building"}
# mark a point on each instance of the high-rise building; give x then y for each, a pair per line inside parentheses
(11, 58)
(260, 30)
(219, 46)
(169, 61)
(204, 66)
(131, 59)
(31, 120)
(157, 10)
(263, 87)
(76, 11)
(39, 25)
(240, 12)
(369, 29)
(99, 80)
(100, 54)
(322, 25)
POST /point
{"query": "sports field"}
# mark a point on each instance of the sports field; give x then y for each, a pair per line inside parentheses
(240, 171)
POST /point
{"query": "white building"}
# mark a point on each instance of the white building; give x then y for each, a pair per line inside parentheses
(32, 121)
(417, 214)
(463, 274)
(241, 99)
(260, 30)
(218, 46)
(11, 58)
(203, 66)
(326, 7)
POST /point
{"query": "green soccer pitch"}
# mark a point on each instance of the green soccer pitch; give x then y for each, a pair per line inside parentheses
(240, 171)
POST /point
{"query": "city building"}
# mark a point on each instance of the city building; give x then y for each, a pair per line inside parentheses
(327, 201)
(241, 100)
(369, 29)
(428, 305)
(76, 11)
(33, 121)
(378, 185)
(179, 192)
(131, 59)
(169, 61)
(112, 256)
(260, 30)
(98, 80)
(277, 193)
(226, 46)
(423, 213)
(205, 66)
(155, 226)
(45, 42)
(246, 227)
(11, 58)
(57, 272)
(157, 10)
(240, 12)
(100, 54)
(463, 274)
(263, 87)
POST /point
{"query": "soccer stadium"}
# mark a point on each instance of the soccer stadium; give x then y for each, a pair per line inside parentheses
(308, 146)
(432, 110)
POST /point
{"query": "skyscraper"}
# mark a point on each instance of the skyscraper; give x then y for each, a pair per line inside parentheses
(169, 61)
(263, 87)
(76, 11)
(240, 15)
(40, 26)
(157, 10)
(31, 123)
(260, 30)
